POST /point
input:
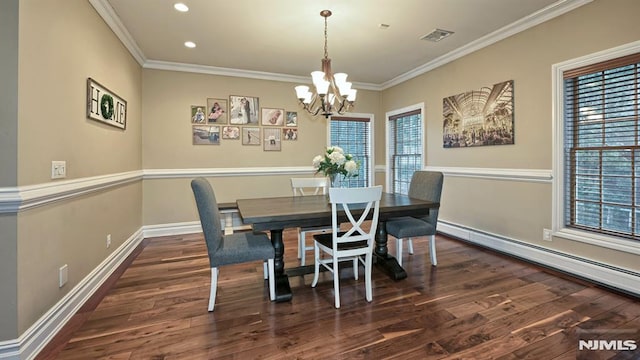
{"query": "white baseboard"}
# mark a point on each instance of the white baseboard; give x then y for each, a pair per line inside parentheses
(31, 342)
(189, 227)
(609, 276)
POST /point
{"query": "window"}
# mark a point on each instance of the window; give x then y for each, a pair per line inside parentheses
(601, 142)
(353, 135)
(404, 141)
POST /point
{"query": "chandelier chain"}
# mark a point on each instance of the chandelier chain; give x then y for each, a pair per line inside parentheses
(326, 51)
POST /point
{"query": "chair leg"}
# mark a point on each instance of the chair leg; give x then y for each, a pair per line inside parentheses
(272, 280)
(336, 282)
(432, 250)
(367, 277)
(410, 245)
(355, 268)
(265, 270)
(316, 256)
(399, 251)
(214, 288)
(301, 247)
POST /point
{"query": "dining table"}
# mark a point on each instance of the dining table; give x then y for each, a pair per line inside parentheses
(274, 214)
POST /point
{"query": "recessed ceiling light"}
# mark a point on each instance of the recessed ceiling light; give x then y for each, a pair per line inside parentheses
(181, 7)
(190, 44)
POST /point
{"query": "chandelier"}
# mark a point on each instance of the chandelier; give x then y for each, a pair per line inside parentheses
(333, 94)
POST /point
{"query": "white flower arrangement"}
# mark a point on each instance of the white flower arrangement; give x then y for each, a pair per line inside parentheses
(334, 162)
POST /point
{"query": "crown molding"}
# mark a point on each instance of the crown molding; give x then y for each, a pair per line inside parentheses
(249, 74)
(548, 13)
(113, 21)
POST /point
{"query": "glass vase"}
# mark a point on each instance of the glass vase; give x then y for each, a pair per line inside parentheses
(333, 179)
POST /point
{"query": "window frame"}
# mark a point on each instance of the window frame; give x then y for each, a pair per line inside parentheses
(558, 127)
(371, 124)
(388, 155)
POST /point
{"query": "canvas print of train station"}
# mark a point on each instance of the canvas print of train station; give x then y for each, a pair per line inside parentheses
(479, 117)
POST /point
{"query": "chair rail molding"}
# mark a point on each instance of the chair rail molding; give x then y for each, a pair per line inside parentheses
(218, 172)
(14, 199)
(526, 175)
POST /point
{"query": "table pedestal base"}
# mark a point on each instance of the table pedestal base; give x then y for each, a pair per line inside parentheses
(283, 290)
(389, 265)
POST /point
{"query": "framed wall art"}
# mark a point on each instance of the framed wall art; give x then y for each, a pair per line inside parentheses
(197, 114)
(272, 117)
(250, 135)
(217, 111)
(231, 132)
(206, 135)
(479, 117)
(243, 110)
(272, 139)
(292, 119)
(290, 134)
(105, 106)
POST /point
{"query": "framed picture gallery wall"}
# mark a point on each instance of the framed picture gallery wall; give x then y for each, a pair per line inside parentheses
(216, 120)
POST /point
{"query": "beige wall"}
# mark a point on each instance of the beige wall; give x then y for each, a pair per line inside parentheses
(57, 55)
(519, 210)
(167, 141)
(61, 44)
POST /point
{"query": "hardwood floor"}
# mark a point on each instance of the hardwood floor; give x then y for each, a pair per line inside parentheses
(475, 305)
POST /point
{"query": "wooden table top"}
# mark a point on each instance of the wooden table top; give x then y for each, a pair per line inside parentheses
(293, 211)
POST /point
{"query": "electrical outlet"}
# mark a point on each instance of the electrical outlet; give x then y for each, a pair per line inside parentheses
(63, 275)
(108, 240)
(546, 234)
(58, 169)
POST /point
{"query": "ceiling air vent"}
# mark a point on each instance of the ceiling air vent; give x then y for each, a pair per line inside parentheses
(437, 35)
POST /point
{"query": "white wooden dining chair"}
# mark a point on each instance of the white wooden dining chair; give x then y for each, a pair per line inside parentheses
(302, 187)
(354, 242)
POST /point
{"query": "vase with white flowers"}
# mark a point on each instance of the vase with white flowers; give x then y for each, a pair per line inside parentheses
(335, 162)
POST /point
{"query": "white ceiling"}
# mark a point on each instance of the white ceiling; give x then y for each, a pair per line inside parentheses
(284, 38)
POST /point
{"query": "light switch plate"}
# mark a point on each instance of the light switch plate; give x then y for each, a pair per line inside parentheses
(58, 169)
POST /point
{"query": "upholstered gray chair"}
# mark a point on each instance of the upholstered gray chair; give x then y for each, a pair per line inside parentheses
(235, 248)
(425, 185)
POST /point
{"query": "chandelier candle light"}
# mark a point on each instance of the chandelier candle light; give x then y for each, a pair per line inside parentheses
(333, 92)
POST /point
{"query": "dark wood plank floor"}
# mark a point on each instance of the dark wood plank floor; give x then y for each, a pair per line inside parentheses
(475, 305)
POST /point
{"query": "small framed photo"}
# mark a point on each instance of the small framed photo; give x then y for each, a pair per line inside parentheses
(290, 134)
(231, 132)
(217, 111)
(272, 140)
(272, 117)
(206, 135)
(197, 114)
(243, 110)
(250, 135)
(292, 119)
